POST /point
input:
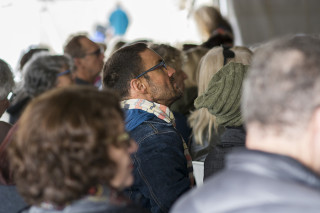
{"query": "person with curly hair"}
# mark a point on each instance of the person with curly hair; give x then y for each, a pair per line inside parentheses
(72, 154)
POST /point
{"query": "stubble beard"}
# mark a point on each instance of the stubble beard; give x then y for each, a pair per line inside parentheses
(168, 95)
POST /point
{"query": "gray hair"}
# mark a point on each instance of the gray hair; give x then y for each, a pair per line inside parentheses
(282, 88)
(171, 55)
(6, 80)
(40, 73)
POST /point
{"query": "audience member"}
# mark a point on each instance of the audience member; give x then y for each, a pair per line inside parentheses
(29, 53)
(147, 86)
(6, 86)
(87, 59)
(216, 104)
(72, 154)
(279, 172)
(214, 29)
(209, 19)
(41, 73)
(10, 200)
(190, 64)
(173, 58)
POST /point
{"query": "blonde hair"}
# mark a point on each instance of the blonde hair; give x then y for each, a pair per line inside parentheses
(201, 120)
(191, 61)
(208, 19)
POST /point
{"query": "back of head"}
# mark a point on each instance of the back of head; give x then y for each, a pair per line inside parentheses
(6, 85)
(6, 80)
(171, 55)
(210, 64)
(28, 55)
(213, 61)
(73, 46)
(40, 72)
(61, 146)
(192, 58)
(283, 85)
(209, 19)
(122, 66)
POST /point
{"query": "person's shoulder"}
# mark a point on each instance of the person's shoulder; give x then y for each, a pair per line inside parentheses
(154, 126)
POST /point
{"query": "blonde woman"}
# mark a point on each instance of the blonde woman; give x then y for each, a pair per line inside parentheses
(213, 28)
(205, 129)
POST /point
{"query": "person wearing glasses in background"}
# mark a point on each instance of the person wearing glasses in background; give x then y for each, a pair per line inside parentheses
(87, 58)
(147, 87)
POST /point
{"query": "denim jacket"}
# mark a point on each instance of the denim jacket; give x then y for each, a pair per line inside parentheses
(160, 166)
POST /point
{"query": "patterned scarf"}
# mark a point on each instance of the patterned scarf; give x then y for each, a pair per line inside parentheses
(164, 113)
(161, 111)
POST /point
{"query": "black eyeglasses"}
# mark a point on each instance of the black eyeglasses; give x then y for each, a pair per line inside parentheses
(161, 64)
(96, 52)
(63, 73)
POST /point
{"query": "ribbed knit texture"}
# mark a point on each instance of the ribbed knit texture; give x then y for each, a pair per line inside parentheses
(222, 97)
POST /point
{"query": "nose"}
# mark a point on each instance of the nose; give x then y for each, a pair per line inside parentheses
(133, 146)
(171, 71)
(101, 56)
(184, 75)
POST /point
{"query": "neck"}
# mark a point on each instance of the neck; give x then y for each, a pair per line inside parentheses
(148, 98)
(269, 141)
(84, 75)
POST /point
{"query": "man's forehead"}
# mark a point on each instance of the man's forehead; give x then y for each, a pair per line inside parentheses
(86, 43)
(149, 57)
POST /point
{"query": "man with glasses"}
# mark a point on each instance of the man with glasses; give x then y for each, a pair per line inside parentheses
(147, 87)
(87, 57)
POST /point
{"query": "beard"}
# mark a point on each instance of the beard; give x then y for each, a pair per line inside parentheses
(165, 95)
(175, 86)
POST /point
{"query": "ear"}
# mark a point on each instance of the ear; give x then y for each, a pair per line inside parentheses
(138, 86)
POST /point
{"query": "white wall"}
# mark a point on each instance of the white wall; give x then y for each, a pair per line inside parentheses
(26, 22)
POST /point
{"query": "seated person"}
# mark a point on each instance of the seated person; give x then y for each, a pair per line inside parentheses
(41, 73)
(72, 154)
(6, 86)
(217, 104)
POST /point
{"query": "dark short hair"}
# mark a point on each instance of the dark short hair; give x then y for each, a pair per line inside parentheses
(61, 146)
(122, 66)
(6, 80)
(28, 55)
(73, 46)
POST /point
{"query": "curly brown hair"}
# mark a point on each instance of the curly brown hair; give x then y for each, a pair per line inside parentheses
(62, 144)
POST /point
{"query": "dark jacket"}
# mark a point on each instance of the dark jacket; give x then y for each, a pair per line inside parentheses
(254, 181)
(17, 108)
(160, 166)
(232, 138)
(10, 200)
